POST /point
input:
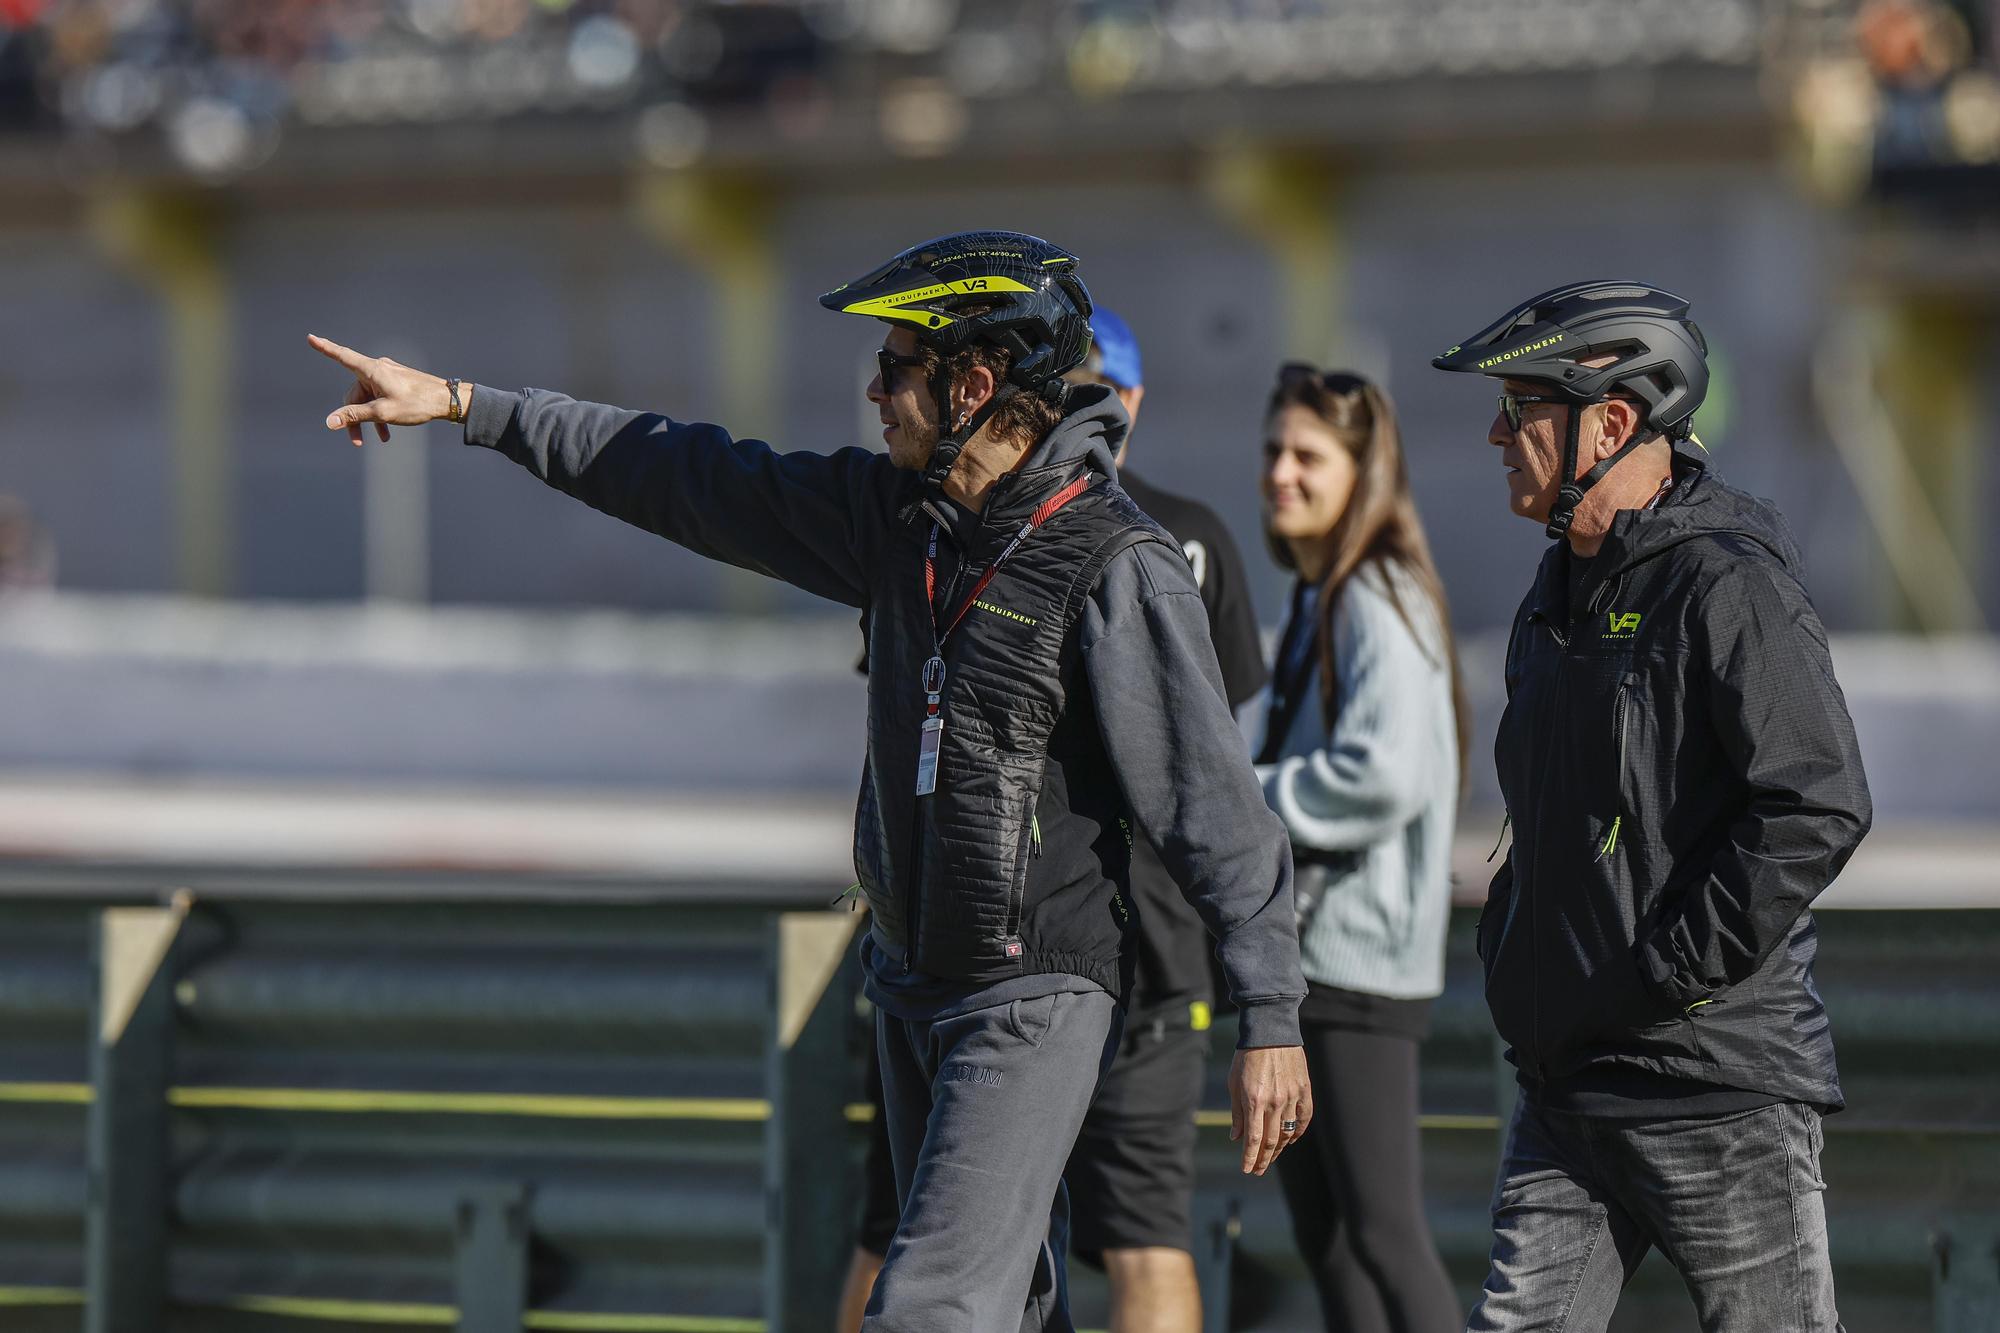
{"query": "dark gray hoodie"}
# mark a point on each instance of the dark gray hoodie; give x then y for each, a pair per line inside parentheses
(820, 522)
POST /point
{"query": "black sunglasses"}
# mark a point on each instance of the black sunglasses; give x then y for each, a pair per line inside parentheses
(891, 362)
(1511, 403)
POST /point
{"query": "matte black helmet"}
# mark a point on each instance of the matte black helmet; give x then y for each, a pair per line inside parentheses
(1661, 360)
(1031, 302)
(1003, 288)
(1662, 357)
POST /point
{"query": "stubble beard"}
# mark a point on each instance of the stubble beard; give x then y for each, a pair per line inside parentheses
(919, 442)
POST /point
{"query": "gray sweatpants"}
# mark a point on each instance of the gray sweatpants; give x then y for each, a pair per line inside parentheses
(1733, 1201)
(982, 1109)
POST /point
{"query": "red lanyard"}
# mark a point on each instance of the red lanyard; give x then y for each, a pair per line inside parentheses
(1042, 514)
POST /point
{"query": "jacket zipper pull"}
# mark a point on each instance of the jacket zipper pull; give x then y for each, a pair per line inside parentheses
(851, 895)
(1035, 835)
(1611, 838)
(1508, 819)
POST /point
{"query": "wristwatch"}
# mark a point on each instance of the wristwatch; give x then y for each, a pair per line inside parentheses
(457, 412)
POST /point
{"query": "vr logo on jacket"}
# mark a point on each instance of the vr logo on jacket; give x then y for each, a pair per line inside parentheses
(1623, 625)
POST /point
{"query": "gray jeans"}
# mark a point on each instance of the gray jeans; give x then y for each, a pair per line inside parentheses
(982, 1109)
(1734, 1203)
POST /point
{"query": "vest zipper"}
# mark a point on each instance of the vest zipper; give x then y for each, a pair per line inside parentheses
(917, 885)
(1507, 818)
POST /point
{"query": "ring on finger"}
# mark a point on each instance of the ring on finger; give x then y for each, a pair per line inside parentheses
(1289, 1126)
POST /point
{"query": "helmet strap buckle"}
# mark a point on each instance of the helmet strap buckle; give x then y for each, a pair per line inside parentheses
(951, 443)
(1563, 512)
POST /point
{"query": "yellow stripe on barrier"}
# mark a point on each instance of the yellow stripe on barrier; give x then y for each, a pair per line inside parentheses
(353, 1312)
(19, 1296)
(446, 1316)
(353, 1101)
(67, 1094)
(364, 1100)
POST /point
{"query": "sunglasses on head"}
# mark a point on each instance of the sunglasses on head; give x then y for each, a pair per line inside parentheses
(1337, 382)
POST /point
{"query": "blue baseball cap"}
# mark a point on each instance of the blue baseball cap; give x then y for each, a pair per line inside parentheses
(1116, 348)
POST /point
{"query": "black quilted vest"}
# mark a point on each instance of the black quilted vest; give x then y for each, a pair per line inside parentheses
(1018, 862)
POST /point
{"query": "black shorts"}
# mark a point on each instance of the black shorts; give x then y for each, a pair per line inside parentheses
(1131, 1174)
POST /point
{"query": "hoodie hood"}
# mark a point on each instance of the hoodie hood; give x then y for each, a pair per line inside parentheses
(1701, 504)
(1088, 436)
(1090, 432)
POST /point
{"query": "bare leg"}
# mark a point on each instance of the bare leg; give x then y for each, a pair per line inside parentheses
(1153, 1291)
(861, 1271)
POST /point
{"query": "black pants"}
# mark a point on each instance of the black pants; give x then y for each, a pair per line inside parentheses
(1354, 1184)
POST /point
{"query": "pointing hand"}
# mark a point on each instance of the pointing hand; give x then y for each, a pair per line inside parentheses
(386, 392)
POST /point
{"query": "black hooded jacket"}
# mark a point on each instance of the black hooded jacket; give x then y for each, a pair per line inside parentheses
(1682, 779)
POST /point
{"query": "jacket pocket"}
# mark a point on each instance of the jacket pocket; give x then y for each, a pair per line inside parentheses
(1493, 920)
(1032, 1019)
(1621, 730)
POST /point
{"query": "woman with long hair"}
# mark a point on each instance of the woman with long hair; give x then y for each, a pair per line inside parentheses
(1362, 758)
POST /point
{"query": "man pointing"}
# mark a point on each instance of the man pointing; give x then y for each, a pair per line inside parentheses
(1041, 680)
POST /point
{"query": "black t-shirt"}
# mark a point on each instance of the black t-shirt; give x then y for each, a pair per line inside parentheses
(1173, 968)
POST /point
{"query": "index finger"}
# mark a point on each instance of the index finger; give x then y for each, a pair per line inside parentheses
(347, 356)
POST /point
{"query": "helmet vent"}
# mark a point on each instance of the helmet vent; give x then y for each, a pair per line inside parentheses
(1618, 294)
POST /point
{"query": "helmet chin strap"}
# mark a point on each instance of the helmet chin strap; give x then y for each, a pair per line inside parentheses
(951, 443)
(1563, 512)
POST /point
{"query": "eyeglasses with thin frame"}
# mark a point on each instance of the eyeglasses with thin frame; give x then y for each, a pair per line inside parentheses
(890, 362)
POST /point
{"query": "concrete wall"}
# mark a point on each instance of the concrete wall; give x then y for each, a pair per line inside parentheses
(575, 296)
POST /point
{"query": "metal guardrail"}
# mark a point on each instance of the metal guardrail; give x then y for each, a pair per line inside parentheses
(639, 1116)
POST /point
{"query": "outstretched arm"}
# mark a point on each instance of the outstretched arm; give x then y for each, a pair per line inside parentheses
(798, 517)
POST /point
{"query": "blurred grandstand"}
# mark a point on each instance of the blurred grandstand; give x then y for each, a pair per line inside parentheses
(211, 87)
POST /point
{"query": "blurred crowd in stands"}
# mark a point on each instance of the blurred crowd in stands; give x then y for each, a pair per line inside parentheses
(1906, 104)
(220, 80)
